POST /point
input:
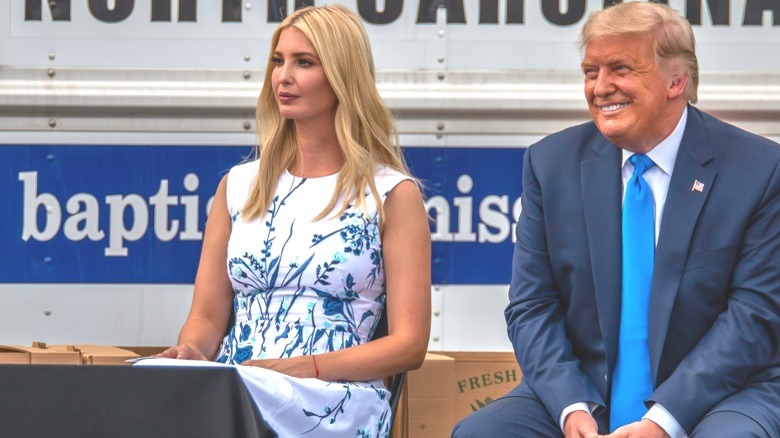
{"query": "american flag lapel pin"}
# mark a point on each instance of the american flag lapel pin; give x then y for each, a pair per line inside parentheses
(698, 186)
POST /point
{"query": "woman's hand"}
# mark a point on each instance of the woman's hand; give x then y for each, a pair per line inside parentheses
(183, 352)
(301, 366)
(212, 300)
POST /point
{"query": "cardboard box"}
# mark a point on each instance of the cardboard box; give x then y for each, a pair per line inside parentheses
(104, 355)
(41, 354)
(480, 378)
(15, 355)
(426, 405)
(144, 350)
(87, 354)
(448, 387)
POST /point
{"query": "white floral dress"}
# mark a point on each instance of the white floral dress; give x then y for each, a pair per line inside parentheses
(307, 287)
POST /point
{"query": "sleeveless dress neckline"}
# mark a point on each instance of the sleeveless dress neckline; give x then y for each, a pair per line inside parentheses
(288, 174)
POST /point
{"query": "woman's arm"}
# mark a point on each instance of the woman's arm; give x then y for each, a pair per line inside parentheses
(406, 248)
(212, 300)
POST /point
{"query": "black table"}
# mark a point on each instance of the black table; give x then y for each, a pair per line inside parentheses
(64, 401)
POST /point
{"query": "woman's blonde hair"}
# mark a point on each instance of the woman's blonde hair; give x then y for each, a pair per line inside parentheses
(675, 45)
(365, 128)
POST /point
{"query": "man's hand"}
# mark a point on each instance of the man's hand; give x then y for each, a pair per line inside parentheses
(580, 424)
(639, 429)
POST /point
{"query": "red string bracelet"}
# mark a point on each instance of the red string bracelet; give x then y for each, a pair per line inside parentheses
(316, 370)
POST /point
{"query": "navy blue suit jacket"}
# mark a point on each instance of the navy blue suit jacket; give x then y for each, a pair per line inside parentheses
(715, 299)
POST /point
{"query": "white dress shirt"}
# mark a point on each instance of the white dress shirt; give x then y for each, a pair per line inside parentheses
(658, 178)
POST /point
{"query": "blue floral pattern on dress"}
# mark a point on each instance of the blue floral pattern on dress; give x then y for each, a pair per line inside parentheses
(306, 287)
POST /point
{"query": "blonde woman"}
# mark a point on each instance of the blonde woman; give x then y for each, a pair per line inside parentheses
(321, 235)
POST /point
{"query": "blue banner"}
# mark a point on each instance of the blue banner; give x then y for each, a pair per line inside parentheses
(136, 214)
(473, 198)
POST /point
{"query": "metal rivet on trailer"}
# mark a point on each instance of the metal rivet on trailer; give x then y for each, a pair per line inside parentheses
(435, 339)
(51, 56)
(436, 313)
(440, 76)
(52, 123)
(52, 4)
(51, 72)
(441, 34)
(248, 6)
(247, 58)
(247, 74)
(50, 157)
(440, 59)
(439, 135)
(247, 126)
(47, 260)
(439, 159)
(47, 312)
(440, 126)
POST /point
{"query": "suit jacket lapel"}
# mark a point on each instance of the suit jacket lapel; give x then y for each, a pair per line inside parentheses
(602, 188)
(681, 211)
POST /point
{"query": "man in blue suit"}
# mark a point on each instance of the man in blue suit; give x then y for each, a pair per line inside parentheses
(692, 348)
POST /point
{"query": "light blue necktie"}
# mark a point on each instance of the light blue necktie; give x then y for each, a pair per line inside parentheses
(632, 382)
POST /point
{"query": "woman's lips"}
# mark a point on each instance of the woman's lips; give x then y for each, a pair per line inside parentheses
(287, 97)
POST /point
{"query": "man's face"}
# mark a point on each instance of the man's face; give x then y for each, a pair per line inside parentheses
(626, 92)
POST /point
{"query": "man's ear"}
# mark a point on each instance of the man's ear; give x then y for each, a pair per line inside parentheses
(677, 85)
